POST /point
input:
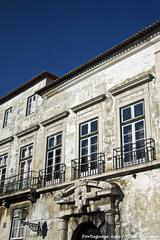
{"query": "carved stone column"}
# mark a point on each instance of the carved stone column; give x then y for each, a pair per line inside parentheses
(72, 225)
(110, 221)
(62, 229)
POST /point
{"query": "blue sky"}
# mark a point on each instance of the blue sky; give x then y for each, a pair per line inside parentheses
(59, 35)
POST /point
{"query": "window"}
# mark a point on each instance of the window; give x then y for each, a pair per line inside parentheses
(3, 162)
(7, 117)
(31, 105)
(25, 166)
(88, 147)
(17, 229)
(133, 133)
(54, 155)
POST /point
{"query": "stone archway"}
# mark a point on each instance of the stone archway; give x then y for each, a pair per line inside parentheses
(86, 230)
(87, 201)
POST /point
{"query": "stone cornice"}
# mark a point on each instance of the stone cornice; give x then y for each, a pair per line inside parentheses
(89, 103)
(27, 131)
(131, 83)
(55, 118)
(6, 140)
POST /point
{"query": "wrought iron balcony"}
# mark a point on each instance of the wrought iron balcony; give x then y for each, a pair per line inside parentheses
(52, 175)
(135, 153)
(19, 182)
(88, 165)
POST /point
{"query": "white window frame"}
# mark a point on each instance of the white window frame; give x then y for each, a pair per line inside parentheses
(31, 105)
(88, 136)
(7, 117)
(19, 225)
(53, 149)
(132, 121)
(27, 160)
(3, 168)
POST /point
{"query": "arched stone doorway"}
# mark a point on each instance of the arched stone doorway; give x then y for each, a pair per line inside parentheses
(86, 230)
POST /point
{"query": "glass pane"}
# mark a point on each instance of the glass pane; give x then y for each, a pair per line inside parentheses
(14, 233)
(126, 114)
(50, 154)
(127, 147)
(94, 148)
(5, 159)
(138, 109)
(59, 139)
(139, 125)
(24, 152)
(34, 98)
(84, 143)
(94, 126)
(50, 162)
(51, 142)
(30, 150)
(139, 134)
(20, 234)
(140, 144)
(94, 140)
(84, 129)
(127, 138)
(58, 152)
(84, 151)
(127, 129)
(57, 159)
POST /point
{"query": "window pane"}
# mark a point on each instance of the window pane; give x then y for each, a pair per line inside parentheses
(126, 114)
(59, 139)
(93, 140)
(139, 125)
(20, 232)
(138, 109)
(50, 154)
(84, 151)
(139, 134)
(30, 150)
(51, 142)
(50, 162)
(84, 143)
(24, 152)
(127, 129)
(94, 148)
(57, 159)
(58, 152)
(84, 129)
(94, 126)
(127, 138)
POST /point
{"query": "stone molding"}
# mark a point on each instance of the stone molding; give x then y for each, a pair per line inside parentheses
(131, 83)
(55, 118)
(6, 140)
(89, 103)
(27, 131)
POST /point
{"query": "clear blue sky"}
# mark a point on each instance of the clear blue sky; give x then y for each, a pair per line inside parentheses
(59, 35)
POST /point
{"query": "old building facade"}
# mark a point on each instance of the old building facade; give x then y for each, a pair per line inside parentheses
(79, 154)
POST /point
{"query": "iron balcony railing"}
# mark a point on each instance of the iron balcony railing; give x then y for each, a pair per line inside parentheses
(134, 153)
(88, 165)
(19, 182)
(52, 175)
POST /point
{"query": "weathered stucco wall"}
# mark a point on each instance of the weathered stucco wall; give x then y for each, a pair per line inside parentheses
(139, 215)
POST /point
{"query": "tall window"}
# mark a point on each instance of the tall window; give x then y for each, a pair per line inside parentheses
(17, 229)
(88, 147)
(25, 166)
(3, 162)
(54, 156)
(133, 133)
(7, 117)
(31, 105)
